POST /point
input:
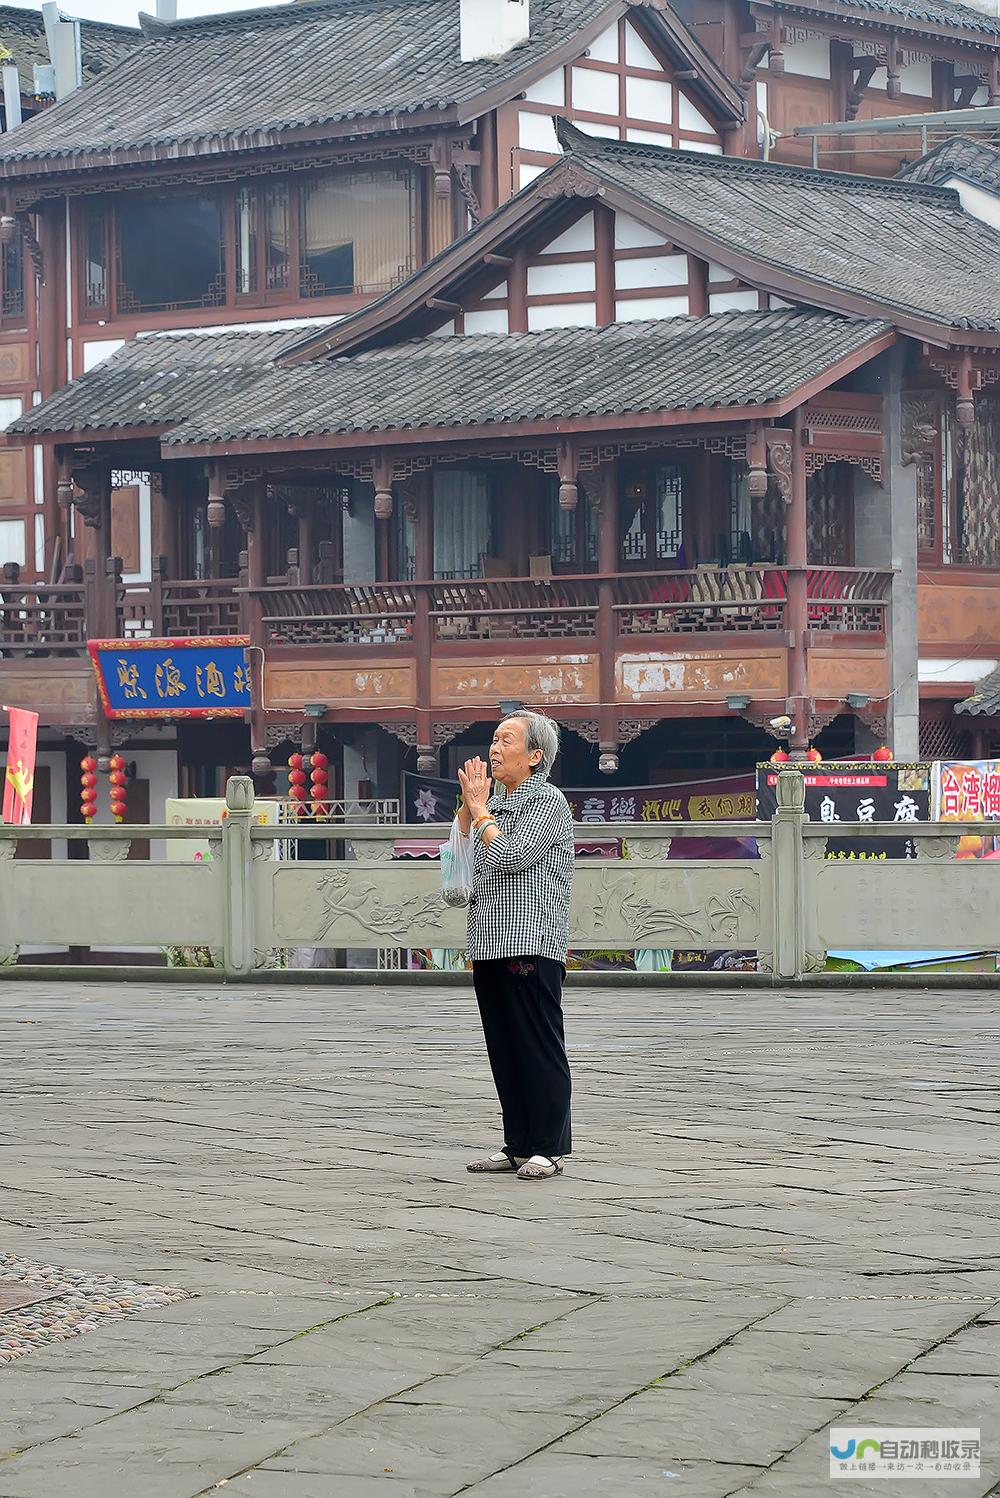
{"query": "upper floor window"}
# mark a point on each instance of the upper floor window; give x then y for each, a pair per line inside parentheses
(338, 233)
(170, 253)
(652, 514)
(12, 282)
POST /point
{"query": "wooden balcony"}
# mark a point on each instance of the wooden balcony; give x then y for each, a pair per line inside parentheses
(705, 601)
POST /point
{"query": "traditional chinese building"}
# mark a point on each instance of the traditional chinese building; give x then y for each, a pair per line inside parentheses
(505, 377)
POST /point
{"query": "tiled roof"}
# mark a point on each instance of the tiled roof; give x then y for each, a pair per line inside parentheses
(237, 81)
(907, 247)
(160, 380)
(22, 32)
(238, 392)
(984, 702)
(958, 157)
(934, 13)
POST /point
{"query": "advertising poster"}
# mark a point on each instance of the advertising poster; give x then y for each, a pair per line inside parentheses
(857, 792)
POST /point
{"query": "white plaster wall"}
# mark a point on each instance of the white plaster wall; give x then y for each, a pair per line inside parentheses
(916, 79)
(548, 90)
(630, 234)
(647, 99)
(536, 132)
(690, 118)
(649, 137)
(706, 147)
(605, 47)
(644, 309)
(651, 270)
(578, 238)
(444, 331)
(637, 53)
(808, 59)
(977, 201)
(498, 291)
(492, 321)
(732, 301)
(100, 349)
(593, 127)
(527, 172)
(12, 542)
(595, 92)
(562, 315)
(548, 279)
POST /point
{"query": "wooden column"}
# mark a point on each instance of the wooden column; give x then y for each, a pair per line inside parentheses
(604, 254)
(420, 500)
(253, 516)
(303, 510)
(93, 503)
(604, 487)
(52, 357)
(798, 608)
(517, 293)
(489, 176)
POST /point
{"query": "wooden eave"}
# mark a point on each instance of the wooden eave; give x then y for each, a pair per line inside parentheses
(724, 101)
(481, 435)
(855, 21)
(23, 192)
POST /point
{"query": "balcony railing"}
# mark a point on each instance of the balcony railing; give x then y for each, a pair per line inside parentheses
(166, 609)
(53, 619)
(703, 600)
(42, 619)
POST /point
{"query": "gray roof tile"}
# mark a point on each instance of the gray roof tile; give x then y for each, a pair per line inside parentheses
(238, 80)
(984, 702)
(935, 13)
(958, 157)
(22, 32)
(235, 390)
(907, 247)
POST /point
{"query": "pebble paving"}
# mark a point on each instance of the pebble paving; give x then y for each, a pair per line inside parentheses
(782, 1213)
(74, 1301)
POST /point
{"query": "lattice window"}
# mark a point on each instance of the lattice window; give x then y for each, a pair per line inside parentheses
(12, 268)
(943, 738)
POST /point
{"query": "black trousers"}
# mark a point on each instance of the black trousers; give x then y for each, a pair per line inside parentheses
(520, 1001)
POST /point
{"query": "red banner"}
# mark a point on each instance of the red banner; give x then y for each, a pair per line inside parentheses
(19, 781)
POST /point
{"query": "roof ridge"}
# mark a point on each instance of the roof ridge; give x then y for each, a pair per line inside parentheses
(283, 12)
(577, 142)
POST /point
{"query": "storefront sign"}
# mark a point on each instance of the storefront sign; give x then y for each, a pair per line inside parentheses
(847, 792)
(724, 798)
(966, 790)
(172, 678)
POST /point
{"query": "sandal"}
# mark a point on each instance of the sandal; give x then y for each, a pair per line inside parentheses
(539, 1168)
(492, 1163)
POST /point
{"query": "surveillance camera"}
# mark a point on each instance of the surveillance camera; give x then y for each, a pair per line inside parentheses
(781, 724)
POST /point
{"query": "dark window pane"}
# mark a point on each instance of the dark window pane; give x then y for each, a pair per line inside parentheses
(669, 510)
(13, 280)
(95, 254)
(357, 231)
(170, 254)
(262, 239)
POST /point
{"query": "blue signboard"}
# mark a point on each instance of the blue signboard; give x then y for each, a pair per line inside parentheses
(189, 678)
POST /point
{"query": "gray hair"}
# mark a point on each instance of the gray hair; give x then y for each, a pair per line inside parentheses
(539, 733)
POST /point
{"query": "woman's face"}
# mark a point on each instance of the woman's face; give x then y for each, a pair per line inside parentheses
(509, 758)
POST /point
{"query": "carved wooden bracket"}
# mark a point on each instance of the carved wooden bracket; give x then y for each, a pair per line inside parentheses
(779, 461)
(89, 480)
(865, 69)
(568, 473)
(382, 479)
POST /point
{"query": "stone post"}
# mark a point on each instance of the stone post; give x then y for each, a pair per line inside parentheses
(237, 862)
(788, 873)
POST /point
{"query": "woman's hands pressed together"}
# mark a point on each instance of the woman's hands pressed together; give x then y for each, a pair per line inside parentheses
(474, 779)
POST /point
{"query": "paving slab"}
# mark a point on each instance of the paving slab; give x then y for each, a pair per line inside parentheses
(781, 1213)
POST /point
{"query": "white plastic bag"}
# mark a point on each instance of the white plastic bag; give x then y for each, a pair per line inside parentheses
(456, 867)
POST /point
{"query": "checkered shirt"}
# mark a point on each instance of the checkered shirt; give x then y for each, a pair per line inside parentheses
(521, 882)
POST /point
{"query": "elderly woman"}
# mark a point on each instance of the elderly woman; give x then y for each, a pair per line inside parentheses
(518, 932)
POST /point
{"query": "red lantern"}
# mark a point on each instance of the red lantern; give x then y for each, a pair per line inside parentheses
(883, 756)
(119, 808)
(319, 777)
(116, 762)
(813, 756)
(88, 763)
(117, 777)
(320, 760)
(297, 777)
(779, 757)
(295, 761)
(297, 792)
(88, 778)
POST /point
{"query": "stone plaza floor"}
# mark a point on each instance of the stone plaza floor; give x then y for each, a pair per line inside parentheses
(783, 1214)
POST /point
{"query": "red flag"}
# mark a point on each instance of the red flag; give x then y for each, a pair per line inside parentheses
(19, 782)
